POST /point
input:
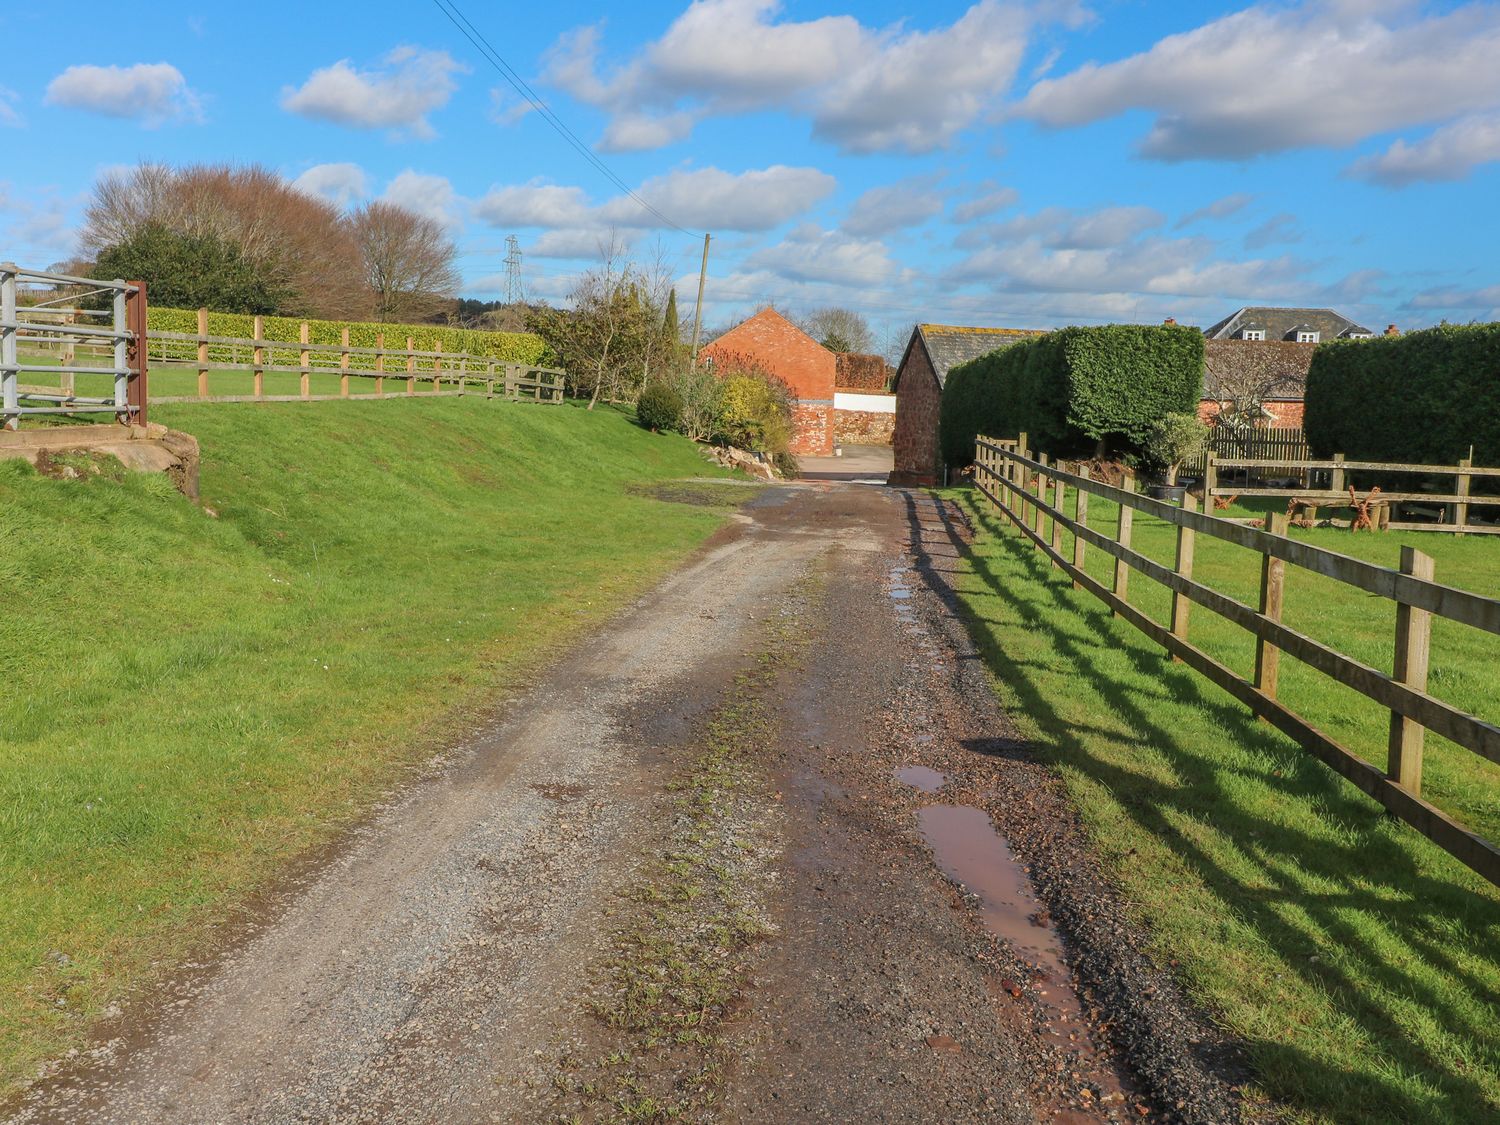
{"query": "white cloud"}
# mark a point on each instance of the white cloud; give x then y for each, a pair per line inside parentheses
(712, 199)
(10, 117)
(42, 227)
(1449, 153)
(149, 92)
(865, 89)
(432, 196)
(813, 254)
(398, 95)
(1268, 79)
(1061, 228)
(1219, 209)
(340, 184)
(985, 205)
(708, 199)
(590, 243)
(893, 207)
(535, 205)
(1276, 229)
(1481, 303)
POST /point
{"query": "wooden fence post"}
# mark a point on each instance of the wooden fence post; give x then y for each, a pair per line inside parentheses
(437, 367)
(1461, 509)
(1336, 477)
(1122, 537)
(1413, 650)
(1181, 603)
(411, 368)
(344, 363)
(1081, 517)
(1040, 522)
(380, 363)
(1272, 590)
(1210, 481)
(202, 353)
(258, 361)
(1059, 496)
(306, 361)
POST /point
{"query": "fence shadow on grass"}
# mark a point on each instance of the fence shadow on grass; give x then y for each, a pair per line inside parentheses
(1354, 896)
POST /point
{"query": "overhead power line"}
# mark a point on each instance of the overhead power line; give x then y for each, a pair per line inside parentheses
(494, 58)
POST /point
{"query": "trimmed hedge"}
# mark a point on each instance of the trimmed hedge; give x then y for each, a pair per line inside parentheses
(509, 347)
(1073, 388)
(1421, 398)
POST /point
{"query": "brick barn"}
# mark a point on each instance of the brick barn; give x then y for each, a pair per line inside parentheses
(932, 352)
(778, 345)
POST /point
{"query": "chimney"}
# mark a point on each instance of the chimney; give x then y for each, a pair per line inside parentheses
(1392, 330)
(1170, 320)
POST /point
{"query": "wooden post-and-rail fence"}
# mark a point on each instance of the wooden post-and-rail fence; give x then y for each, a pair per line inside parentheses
(449, 373)
(1033, 494)
(1456, 504)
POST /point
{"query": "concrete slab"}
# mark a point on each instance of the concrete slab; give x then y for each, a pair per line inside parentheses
(870, 463)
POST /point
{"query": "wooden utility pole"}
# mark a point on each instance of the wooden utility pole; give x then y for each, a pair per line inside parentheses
(698, 311)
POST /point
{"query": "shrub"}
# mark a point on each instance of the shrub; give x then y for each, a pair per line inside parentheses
(1074, 388)
(508, 347)
(702, 397)
(659, 407)
(1173, 439)
(757, 412)
(1422, 398)
(191, 269)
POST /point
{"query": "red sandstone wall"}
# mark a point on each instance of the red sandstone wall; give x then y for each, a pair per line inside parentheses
(812, 430)
(915, 438)
(863, 427)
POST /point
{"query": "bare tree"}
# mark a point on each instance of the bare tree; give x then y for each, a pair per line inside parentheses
(303, 246)
(839, 329)
(1240, 375)
(408, 261)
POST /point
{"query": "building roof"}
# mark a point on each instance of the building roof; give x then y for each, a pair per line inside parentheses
(949, 345)
(1279, 324)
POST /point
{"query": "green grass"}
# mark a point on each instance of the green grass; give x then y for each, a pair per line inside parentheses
(189, 701)
(1359, 962)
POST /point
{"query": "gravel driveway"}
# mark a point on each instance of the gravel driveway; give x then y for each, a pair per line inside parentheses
(444, 963)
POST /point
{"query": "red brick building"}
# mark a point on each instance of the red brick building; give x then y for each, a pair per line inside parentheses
(932, 352)
(789, 353)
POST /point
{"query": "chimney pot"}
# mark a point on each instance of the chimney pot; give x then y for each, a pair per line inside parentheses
(1170, 320)
(1392, 330)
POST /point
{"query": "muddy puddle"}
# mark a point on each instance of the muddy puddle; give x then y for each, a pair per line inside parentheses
(921, 777)
(970, 852)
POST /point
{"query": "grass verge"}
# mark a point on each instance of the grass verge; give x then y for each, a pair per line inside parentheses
(191, 701)
(1359, 963)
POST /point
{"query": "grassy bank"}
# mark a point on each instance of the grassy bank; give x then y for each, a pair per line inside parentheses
(189, 701)
(1360, 963)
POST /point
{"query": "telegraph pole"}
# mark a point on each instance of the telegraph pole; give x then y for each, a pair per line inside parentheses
(698, 312)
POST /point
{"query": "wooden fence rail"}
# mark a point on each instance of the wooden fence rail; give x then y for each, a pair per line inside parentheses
(1457, 504)
(418, 372)
(1017, 482)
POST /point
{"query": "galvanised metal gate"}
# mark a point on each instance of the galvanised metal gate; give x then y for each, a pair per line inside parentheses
(54, 328)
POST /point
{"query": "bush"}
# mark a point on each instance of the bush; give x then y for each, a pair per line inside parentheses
(702, 397)
(191, 269)
(757, 412)
(508, 347)
(659, 407)
(1074, 389)
(1172, 440)
(1422, 398)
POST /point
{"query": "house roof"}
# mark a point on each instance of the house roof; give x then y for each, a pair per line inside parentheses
(1280, 323)
(949, 345)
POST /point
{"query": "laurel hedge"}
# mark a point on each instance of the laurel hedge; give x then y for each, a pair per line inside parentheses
(1072, 389)
(509, 347)
(1421, 398)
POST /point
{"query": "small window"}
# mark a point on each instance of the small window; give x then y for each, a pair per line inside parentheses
(1307, 337)
(1253, 334)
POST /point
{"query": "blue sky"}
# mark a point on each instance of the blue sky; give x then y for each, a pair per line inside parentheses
(994, 163)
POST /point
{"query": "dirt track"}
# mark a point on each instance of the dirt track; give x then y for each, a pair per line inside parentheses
(479, 951)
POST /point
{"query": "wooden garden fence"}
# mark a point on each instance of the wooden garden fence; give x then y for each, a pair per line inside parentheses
(1455, 506)
(1034, 495)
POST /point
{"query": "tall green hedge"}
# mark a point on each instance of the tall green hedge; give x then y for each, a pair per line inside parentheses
(1421, 398)
(1075, 387)
(511, 347)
